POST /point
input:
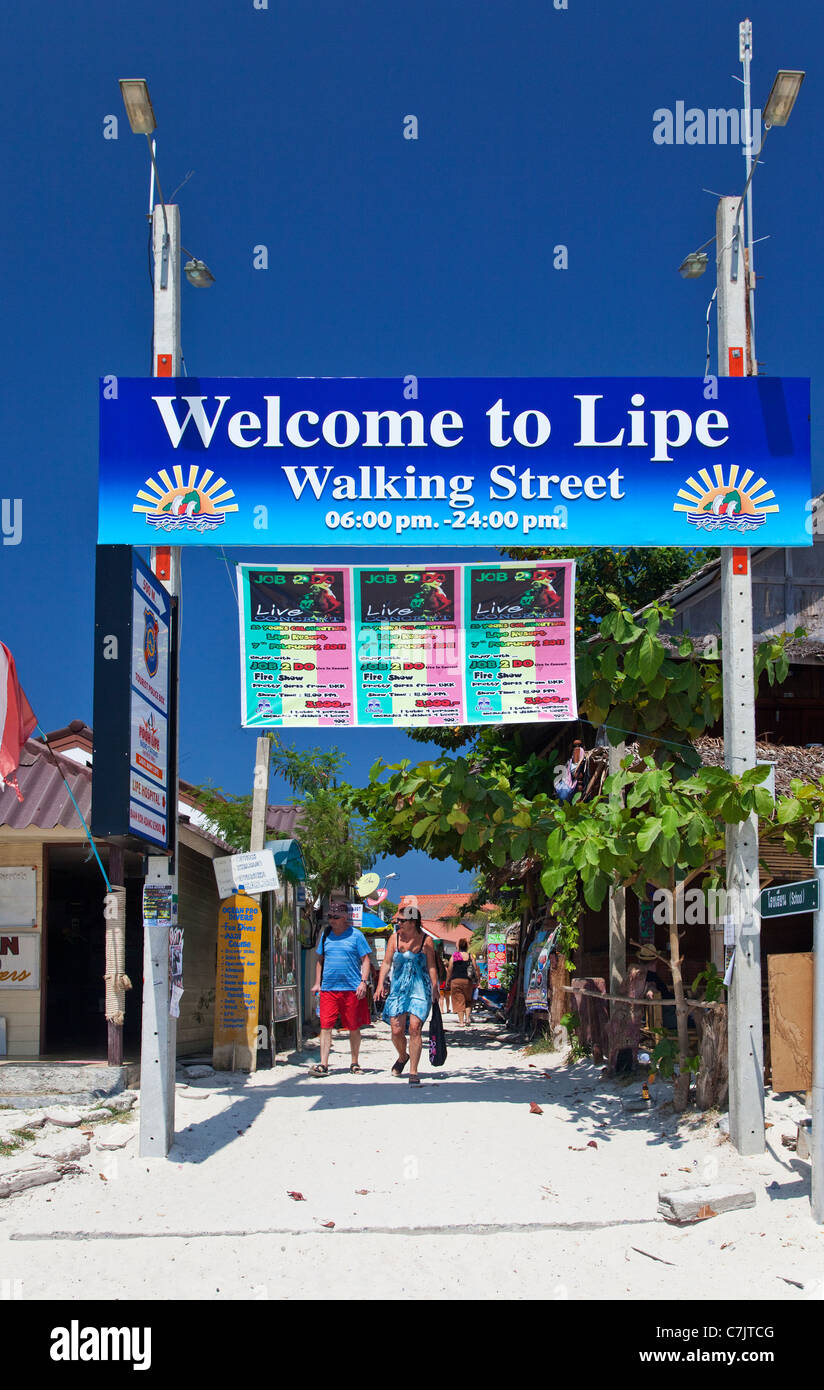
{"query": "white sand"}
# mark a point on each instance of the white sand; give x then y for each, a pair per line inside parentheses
(463, 1186)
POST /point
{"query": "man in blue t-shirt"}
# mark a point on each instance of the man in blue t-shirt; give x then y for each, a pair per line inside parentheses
(341, 976)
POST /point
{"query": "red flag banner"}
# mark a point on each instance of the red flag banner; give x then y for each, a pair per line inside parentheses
(17, 720)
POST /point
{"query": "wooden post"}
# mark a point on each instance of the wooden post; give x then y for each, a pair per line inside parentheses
(617, 908)
(241, 956)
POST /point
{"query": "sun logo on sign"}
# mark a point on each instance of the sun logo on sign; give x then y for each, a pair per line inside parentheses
(185, 503)
(728, 503)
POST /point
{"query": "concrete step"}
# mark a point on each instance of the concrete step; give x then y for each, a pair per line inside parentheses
(31, 1083)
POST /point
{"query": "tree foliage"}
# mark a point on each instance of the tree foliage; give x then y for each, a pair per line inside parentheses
(336, 844)
(637, 574)
(662, 817)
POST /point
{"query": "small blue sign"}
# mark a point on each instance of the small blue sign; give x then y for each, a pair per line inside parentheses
(463, 462)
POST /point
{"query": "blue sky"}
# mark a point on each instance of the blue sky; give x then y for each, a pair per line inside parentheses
(386, 256)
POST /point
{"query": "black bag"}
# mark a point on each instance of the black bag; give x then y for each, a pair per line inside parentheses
(437, 1038)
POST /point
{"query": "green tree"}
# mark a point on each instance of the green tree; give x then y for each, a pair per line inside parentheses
(636, 574)
(493, 809)
(335, 842)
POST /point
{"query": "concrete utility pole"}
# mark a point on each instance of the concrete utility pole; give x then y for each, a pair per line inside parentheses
(158, 1045)
(260, 796)
(746, 1037)
(617, 908)
(817, 1137)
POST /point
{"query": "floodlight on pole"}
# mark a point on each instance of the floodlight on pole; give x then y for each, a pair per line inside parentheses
(138, 104)
(197, 272)
(782, 97)
(694, 265)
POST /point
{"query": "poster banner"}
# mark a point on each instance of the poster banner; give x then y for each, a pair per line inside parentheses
(536, 973)
(157, 903)
(316, 461)
(237, 980)
(402, 646)
(519, 623)
(409, 667)
(175, 970)
(495, 956)
(296, 646)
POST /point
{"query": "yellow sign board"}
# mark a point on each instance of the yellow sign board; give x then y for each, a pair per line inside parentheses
(237, 986)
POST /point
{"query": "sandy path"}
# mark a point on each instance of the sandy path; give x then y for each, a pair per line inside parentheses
(456, 1180)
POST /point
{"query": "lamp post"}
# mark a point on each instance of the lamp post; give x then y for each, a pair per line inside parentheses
(736, 357)
(159, 1029)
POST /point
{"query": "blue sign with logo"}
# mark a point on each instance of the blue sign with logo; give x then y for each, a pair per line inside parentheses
(530, 461)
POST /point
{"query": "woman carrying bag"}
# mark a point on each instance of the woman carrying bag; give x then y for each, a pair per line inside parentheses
(410, 957)
(461, 978)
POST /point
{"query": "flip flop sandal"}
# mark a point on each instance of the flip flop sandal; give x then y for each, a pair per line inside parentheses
(356, 1070)
(318, 1070)
(414, 1081)
(399, 1066)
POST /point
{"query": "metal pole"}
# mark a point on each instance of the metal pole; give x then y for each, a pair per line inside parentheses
(159, 1030)
(746, 1039)
(817, 1138)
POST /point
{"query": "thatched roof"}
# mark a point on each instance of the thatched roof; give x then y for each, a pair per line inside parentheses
(790, 761)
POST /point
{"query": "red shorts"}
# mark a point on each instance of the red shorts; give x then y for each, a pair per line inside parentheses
(345, 1005)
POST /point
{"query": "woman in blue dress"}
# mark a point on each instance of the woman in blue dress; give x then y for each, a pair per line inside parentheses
(414, 985)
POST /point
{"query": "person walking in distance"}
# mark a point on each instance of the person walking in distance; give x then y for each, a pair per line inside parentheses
(461, 979)
(341, 979)
(413, 988)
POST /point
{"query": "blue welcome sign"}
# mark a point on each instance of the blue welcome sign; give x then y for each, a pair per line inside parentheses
(529, 461)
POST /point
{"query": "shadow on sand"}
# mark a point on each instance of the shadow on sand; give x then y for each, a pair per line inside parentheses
(576, 1095)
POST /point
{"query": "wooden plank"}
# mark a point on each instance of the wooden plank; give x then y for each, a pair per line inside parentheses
(791, 1020)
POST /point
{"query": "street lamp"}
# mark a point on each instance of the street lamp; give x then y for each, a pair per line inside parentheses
(694, 265)
(158, 1039)
(138, 104)
(197, 272)
(782, 97)
(140, 112)
(736, 357)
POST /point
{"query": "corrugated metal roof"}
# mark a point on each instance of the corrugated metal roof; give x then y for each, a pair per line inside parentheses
(47, 804)
(46, 801)
(281, 821)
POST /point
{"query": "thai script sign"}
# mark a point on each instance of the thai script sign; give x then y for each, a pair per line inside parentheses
(785, 899)
(310, 461)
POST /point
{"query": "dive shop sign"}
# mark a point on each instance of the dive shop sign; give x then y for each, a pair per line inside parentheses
(357, 461)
